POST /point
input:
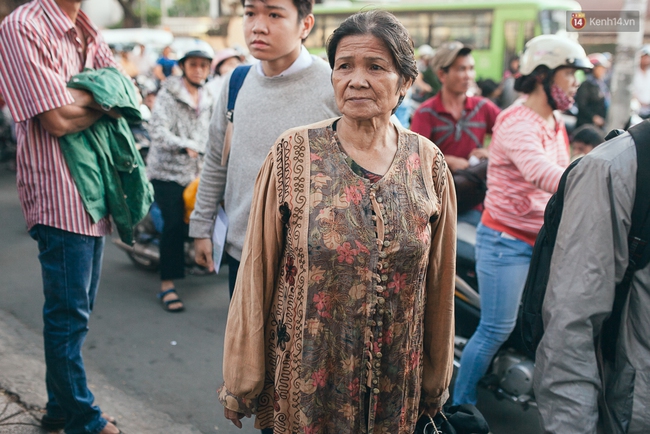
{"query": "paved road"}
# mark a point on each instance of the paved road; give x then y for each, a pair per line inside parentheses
(170, 362)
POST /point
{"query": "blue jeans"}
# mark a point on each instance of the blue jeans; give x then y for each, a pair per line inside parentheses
(502, 266)
(71, 266)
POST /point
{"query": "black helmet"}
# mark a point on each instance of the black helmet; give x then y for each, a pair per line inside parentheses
(203, 54)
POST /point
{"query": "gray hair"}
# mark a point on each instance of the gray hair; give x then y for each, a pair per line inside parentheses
(385, 27)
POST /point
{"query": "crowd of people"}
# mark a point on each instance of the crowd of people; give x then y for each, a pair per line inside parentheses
(338, 180)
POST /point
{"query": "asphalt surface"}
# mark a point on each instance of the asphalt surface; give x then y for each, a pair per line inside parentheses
(140, 359)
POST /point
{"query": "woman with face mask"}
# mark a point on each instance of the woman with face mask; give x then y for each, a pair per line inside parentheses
(528, 154)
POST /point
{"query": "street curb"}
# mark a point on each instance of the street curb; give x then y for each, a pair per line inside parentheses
(22, 372)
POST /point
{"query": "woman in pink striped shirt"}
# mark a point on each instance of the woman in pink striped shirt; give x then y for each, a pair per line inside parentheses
(528, 154)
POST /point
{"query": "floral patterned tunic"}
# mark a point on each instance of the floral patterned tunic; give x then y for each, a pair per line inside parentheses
(342, 318)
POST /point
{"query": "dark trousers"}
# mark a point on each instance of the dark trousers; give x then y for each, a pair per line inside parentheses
(71, 266)
(267, 431)
(169, 197)
(233, 267)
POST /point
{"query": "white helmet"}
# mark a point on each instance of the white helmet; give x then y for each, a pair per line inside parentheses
(552, 51)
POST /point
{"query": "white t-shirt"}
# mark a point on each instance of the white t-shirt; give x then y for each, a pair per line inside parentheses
(641, 86)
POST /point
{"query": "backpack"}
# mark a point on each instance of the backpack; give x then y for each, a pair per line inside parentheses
(234, 85)
(532, 326)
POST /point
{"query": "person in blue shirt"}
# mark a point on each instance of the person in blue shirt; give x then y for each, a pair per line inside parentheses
(165, 65)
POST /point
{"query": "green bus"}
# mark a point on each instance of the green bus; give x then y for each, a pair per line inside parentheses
(495, 29)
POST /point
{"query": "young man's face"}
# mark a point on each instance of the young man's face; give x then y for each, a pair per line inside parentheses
(460, 76)
(272, 29)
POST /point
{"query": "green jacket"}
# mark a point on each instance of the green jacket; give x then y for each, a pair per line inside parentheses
(103, 160)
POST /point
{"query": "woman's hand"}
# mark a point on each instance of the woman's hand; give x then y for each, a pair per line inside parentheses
(233, 416)
(192, 153)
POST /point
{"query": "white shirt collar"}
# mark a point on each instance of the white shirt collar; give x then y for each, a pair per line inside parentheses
(303, 61)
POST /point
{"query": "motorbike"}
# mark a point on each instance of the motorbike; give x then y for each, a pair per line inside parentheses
(145, 252)
(510, 375)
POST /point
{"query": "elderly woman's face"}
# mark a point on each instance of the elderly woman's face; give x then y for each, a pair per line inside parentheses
(366, 82)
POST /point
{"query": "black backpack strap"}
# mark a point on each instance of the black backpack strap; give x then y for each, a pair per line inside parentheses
(638, 237)
(236, 80)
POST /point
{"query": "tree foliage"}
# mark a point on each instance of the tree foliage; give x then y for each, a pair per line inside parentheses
(190, 8)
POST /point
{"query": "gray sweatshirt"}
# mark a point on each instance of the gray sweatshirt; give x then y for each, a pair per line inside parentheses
(265, 108)
(589, 259)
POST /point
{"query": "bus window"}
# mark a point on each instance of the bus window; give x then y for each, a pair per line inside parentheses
(472, 28)
(552, 21)
(418, 25)
(529, 31)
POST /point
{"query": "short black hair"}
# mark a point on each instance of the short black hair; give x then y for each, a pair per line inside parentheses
(304, 7)
(527, 83)
(385, 27)
(487, 86)
(588, 134)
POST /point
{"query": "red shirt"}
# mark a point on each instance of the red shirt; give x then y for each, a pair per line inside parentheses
(455, 137)
(39, 53)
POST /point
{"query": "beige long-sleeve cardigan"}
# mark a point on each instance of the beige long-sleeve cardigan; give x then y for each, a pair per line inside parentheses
(342, 317)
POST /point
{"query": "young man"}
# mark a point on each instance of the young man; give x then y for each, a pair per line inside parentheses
(287, 88)
(455, 122)
(577, 390)
(42, 45)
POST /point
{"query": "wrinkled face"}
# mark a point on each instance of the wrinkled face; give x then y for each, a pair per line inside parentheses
(565, 79)
(196, 69)
(272, 29)
(460, 76)
(365, 79)
(228, 65)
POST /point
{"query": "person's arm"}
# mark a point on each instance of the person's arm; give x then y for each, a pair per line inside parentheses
(158, 72)
(523, 146)
(244, 357)
(211, 185)
(589, 258)
(438, 338)
(163, 116)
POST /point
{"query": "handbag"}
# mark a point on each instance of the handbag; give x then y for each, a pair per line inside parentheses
(471, 185)
(434, 425)
(457, 419)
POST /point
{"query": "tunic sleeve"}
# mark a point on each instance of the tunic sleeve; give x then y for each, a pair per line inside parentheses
(439, 311)
(244, 342)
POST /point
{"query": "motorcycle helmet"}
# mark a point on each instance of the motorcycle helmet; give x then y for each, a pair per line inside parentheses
(599, 59)
(202, 53)
(542, 57)
(552, 51)
(224, 55)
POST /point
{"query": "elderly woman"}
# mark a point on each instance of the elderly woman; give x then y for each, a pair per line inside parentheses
(342, 317)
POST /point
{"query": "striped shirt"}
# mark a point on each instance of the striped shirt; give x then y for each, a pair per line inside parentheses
(527, 159)
(39, 53)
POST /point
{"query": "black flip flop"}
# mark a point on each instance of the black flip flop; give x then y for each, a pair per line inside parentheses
(161, 296)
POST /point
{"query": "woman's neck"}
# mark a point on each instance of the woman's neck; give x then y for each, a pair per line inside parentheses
(538, 102)
(192, 90)
(366, 135)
